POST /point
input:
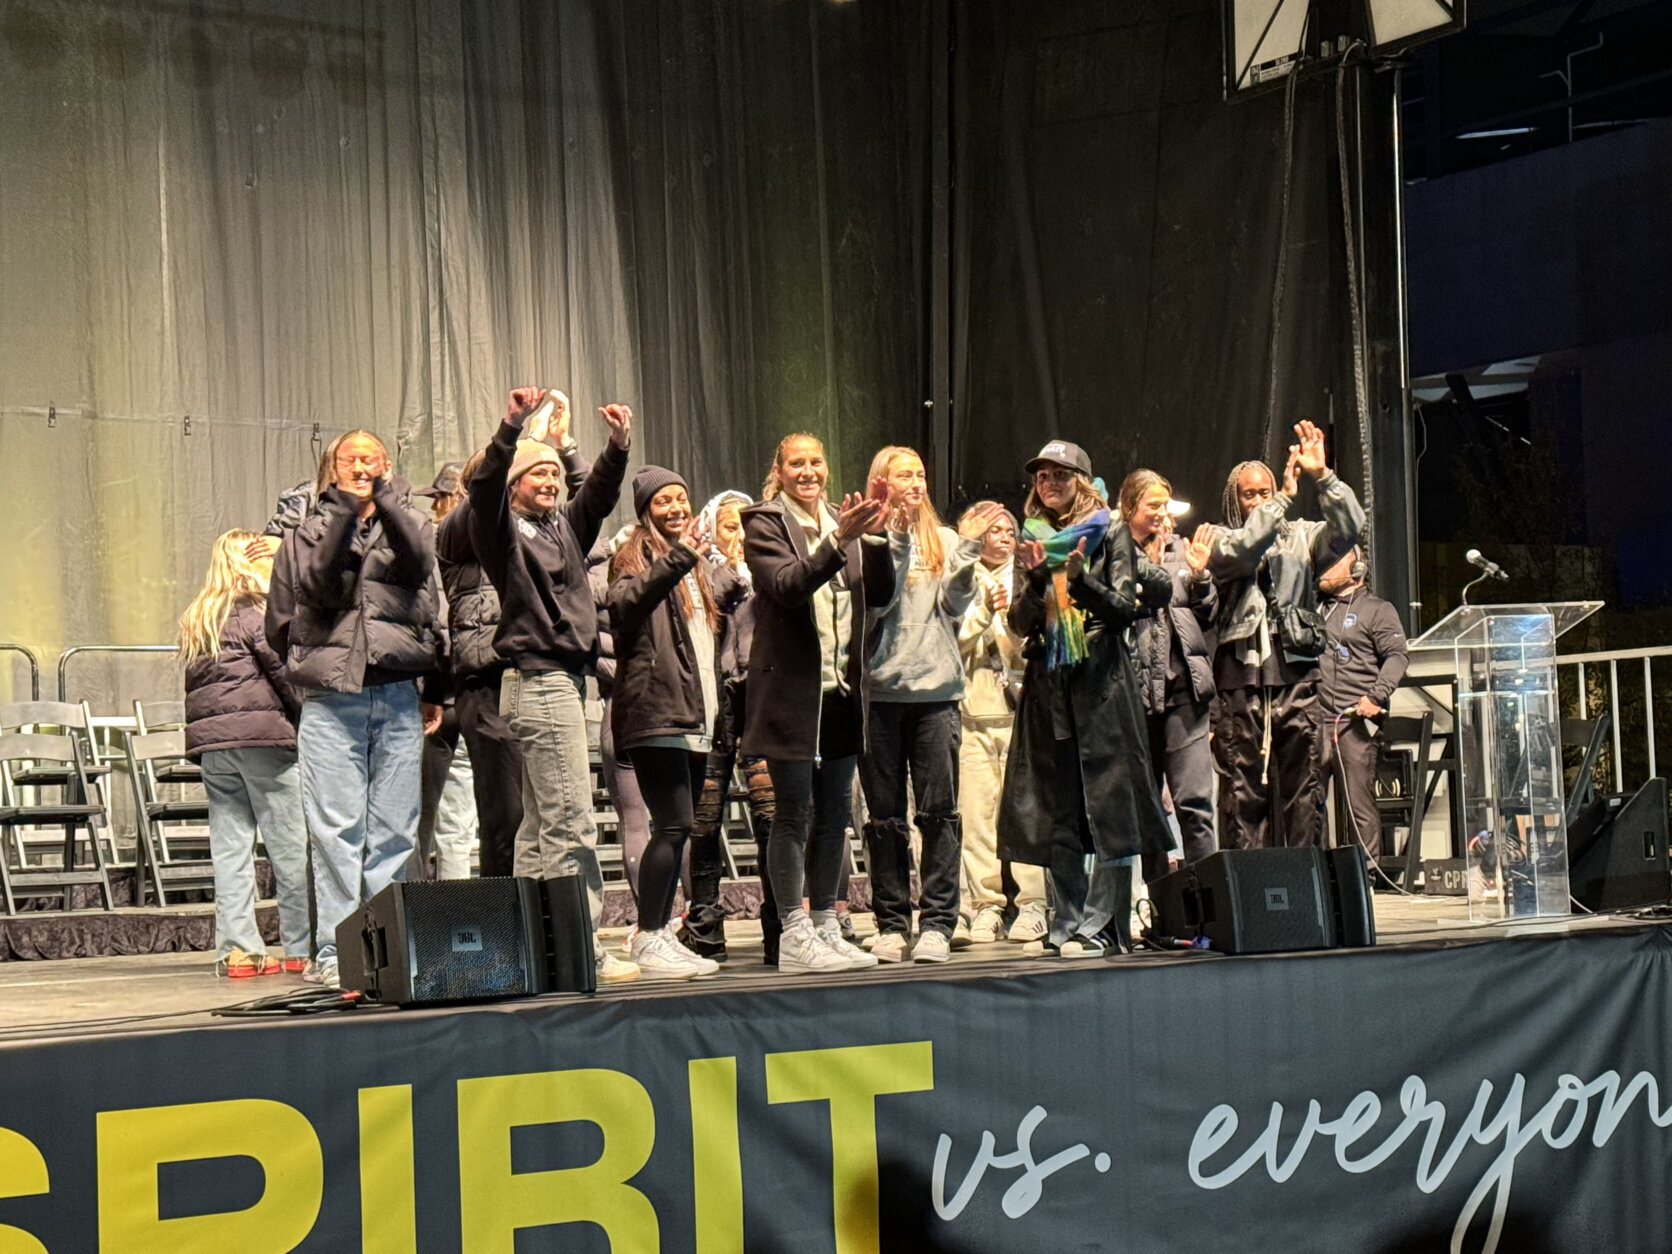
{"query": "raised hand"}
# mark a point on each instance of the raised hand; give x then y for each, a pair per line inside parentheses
(977, 522)
(1310, 451)
(1075, 566)
(620, 420)
(1200, 549)
(1032, 553)
(551, 421)
(858, 515)
(521, 403)
(698, 544)
(1291, 480)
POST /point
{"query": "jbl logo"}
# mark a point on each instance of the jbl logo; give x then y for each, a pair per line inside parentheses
(1277, 899)
(466, 938)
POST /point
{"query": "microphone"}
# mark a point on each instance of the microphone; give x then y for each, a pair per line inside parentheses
(1486, 565)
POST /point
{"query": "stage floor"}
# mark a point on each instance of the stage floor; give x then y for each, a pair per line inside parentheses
(98, 996)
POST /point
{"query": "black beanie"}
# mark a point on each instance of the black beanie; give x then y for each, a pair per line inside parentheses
(651, 480)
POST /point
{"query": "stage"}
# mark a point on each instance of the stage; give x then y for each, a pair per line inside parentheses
(1385, 1099)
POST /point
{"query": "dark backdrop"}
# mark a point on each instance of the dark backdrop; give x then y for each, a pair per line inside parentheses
(230, 230)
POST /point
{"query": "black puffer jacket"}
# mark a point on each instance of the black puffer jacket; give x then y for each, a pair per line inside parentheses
(354, 603)
(239, 699)
(658, 679)
(472, 604)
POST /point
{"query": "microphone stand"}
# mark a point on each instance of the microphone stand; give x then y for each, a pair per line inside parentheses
(1470, 586)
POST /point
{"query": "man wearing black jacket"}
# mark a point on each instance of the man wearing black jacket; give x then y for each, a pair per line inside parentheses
(534, 554)
(1362, 666)
(353, 611)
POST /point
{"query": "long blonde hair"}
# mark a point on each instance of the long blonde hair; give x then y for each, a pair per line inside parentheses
(926, 526)
(771, 488)
(233, 578)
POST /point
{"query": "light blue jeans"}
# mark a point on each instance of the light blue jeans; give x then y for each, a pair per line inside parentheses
(558, 835)
(251, 789)
(362, 759)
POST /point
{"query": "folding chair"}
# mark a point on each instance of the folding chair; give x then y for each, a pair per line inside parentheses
(170, 860)
(1418, 732)
(73, 719)
(24, 756)
(155, 716)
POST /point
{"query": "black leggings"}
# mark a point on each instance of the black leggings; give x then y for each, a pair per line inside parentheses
(671, 780)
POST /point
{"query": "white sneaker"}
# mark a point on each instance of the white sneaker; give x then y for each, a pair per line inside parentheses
(987, 926)
(802, 951)
(705, 966)
(322, 971)
(931, 947)
(830, 932)
(658, 958)
(1030, 924)
(613, 970)
(961, 938)
(627, 941)
(890, 947)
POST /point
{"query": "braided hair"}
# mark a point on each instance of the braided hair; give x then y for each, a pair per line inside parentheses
(1231, 503)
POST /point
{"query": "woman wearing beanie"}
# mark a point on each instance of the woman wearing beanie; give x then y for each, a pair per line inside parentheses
(811, 585)
(1175, 662)
(241, 729)
(1079, 780)
(914, 679)
(666, 605)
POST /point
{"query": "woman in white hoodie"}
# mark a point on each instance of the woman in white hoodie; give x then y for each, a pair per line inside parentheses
(914, 680)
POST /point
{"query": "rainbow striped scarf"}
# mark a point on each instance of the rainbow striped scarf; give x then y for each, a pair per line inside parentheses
(1065, 625)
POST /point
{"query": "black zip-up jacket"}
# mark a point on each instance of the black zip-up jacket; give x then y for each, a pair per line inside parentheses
(546, 617)
(658, 679)
(355, 603)
(239, 698)
(1184, 626)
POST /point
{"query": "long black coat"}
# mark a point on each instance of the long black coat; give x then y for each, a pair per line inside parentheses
(1122, 803)
(658, 676)
(784, 660)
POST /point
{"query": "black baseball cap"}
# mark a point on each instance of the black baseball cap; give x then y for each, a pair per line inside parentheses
(1062, 453)
(446, 481)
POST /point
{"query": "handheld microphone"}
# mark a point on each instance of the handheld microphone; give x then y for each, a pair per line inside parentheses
(1486, 565)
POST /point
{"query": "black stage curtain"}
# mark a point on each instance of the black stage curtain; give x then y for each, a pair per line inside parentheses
(1117, 242)
(230, 231)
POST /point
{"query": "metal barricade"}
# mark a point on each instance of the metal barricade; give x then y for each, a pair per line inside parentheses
(64, 660)
(1584, 667)
(34, 668)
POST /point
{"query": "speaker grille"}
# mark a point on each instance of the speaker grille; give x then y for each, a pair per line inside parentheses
(1279, 900)
(467, 940)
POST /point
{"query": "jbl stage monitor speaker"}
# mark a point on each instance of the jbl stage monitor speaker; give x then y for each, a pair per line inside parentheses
(569, 957)
(1352, 897)
(447, 941)
(1249, 901)
(1617, 858)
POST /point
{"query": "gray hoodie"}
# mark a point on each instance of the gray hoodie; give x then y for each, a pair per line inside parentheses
(911, 642)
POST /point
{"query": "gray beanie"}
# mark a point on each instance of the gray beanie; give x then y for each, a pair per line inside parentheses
(651, 480)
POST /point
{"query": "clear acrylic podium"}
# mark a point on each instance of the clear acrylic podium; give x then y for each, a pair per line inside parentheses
(1509, 745)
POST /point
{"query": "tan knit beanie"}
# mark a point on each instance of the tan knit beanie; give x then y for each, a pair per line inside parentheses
(530, 453)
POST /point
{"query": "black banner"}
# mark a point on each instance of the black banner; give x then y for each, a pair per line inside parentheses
(1508, 1096)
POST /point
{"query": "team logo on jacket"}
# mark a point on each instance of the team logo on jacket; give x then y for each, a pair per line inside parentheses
(528, 529)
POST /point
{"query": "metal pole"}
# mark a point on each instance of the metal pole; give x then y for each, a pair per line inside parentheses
(1403, 363)
(940, 254)
(1582, 703)
(1649, 711)
(1614, 706)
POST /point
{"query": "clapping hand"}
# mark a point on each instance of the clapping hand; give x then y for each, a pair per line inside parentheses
(1075, 566)
(1200, 549)
(998, 597)
(1291, 478)
(1308, 455)
(1032, 554)
(552, 426)
(976, 523)
(857, 515)
(620, 420)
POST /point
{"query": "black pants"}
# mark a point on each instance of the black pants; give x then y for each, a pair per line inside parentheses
(1293, 795)
(706, 918)
(1358, 753)
(1182, 755)
(814, 803)
(496, 761)
(670, 781)
(439, 747)
(919, 740)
